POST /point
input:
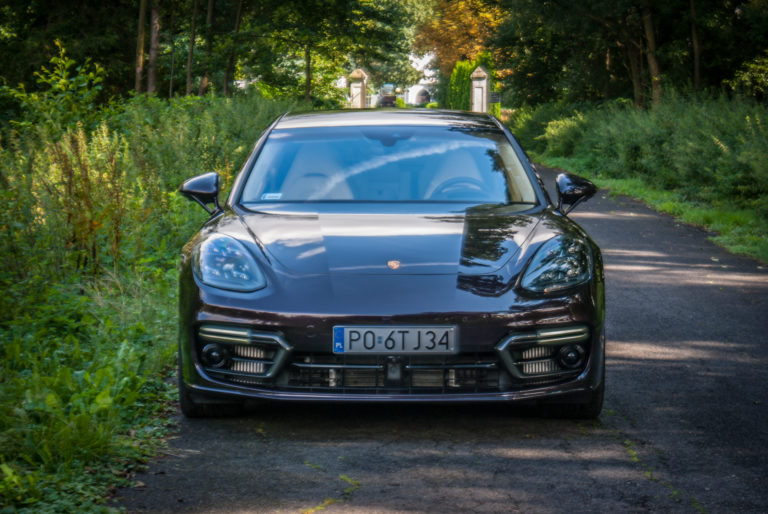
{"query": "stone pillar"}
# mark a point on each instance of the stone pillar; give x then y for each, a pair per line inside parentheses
(358, 89)
(479, 94)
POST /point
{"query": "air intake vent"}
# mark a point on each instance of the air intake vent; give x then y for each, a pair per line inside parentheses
(537, 352)
(240, 354)
(411, 374)
(535, 355)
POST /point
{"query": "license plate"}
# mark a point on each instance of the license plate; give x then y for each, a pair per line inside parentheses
(437, 340)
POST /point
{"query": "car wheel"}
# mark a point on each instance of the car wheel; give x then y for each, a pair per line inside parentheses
(189, 407)
(194, 409)
(592, 408)
(589, 409)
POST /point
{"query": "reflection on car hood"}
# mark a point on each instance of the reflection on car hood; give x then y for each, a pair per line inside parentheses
(427, 240)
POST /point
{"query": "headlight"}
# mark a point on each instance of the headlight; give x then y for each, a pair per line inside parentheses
(222, 261)
(560, 263)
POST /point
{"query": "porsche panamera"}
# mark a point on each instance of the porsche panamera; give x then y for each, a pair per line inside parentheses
(390, 256)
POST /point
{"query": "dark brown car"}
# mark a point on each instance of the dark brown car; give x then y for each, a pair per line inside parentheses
(390, 256)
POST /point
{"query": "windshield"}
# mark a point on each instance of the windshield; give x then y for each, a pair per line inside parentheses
(388, 164)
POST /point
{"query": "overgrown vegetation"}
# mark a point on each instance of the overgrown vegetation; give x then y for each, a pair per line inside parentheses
(91, 226)
(90, 232)
(699, 157)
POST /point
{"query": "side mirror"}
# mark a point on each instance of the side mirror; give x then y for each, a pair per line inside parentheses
(203, 189)
(572, 190)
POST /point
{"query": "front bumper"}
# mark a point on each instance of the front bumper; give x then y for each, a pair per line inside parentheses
(522, 366)
(506, 353)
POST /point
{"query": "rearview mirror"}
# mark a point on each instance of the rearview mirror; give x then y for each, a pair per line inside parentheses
(572, 190)
(204, 189)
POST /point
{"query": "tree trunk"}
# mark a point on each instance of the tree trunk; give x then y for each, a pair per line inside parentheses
(191, 50)
(208, 49)
(173, 55)
(696, 48)
(653, 63)
(633, 56)
(231, 60)
(140, 46)
(154, 43)
(307, 74)
(608, 75)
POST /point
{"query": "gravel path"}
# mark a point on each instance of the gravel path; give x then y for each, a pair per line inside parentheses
(684, 429)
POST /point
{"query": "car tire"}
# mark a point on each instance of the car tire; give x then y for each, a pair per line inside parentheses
(194, 409)
(589, 409)
(592, 408)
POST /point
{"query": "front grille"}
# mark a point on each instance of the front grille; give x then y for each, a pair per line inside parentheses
(393, 374)
(248, 357)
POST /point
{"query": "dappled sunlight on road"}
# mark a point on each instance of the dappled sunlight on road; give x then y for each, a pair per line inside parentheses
(612, 215)
(666, 272)
(604, 454)
(405, 458)
(642, 249)
(633, 253)
(508, 465)
(683, 351)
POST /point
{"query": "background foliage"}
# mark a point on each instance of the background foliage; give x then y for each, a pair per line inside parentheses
(90, 234)
(701, 157)
(291, 48)
(598, 49)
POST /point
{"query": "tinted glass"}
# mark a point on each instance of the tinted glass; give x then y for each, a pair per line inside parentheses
(388, 164)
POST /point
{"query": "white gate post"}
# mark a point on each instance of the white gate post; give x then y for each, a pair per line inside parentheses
(358, 89)
(479, 93)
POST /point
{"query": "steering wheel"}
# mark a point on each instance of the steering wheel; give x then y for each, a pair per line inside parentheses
(459, 187)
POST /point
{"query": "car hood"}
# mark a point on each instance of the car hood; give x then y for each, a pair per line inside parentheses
(379, 240)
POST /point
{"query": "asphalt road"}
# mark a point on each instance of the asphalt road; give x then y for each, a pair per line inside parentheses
(684, 429)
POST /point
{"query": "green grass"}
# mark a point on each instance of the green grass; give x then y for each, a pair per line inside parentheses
(701, 159)
(83, 393)
(738, 230)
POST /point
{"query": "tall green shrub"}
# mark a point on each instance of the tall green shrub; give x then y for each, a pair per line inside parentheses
(69, 96)
(708, 149)
(529, 124)
(459, 85)
(752, 78)
(458, 94)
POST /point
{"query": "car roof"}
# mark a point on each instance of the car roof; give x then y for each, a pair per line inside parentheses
(380, 117)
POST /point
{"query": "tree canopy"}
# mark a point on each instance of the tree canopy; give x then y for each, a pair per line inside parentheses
(459, 30)
(290, 47)
(542, 49)
(634, 48)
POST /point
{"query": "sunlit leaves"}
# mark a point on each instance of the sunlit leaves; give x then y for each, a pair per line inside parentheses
(459, 30)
